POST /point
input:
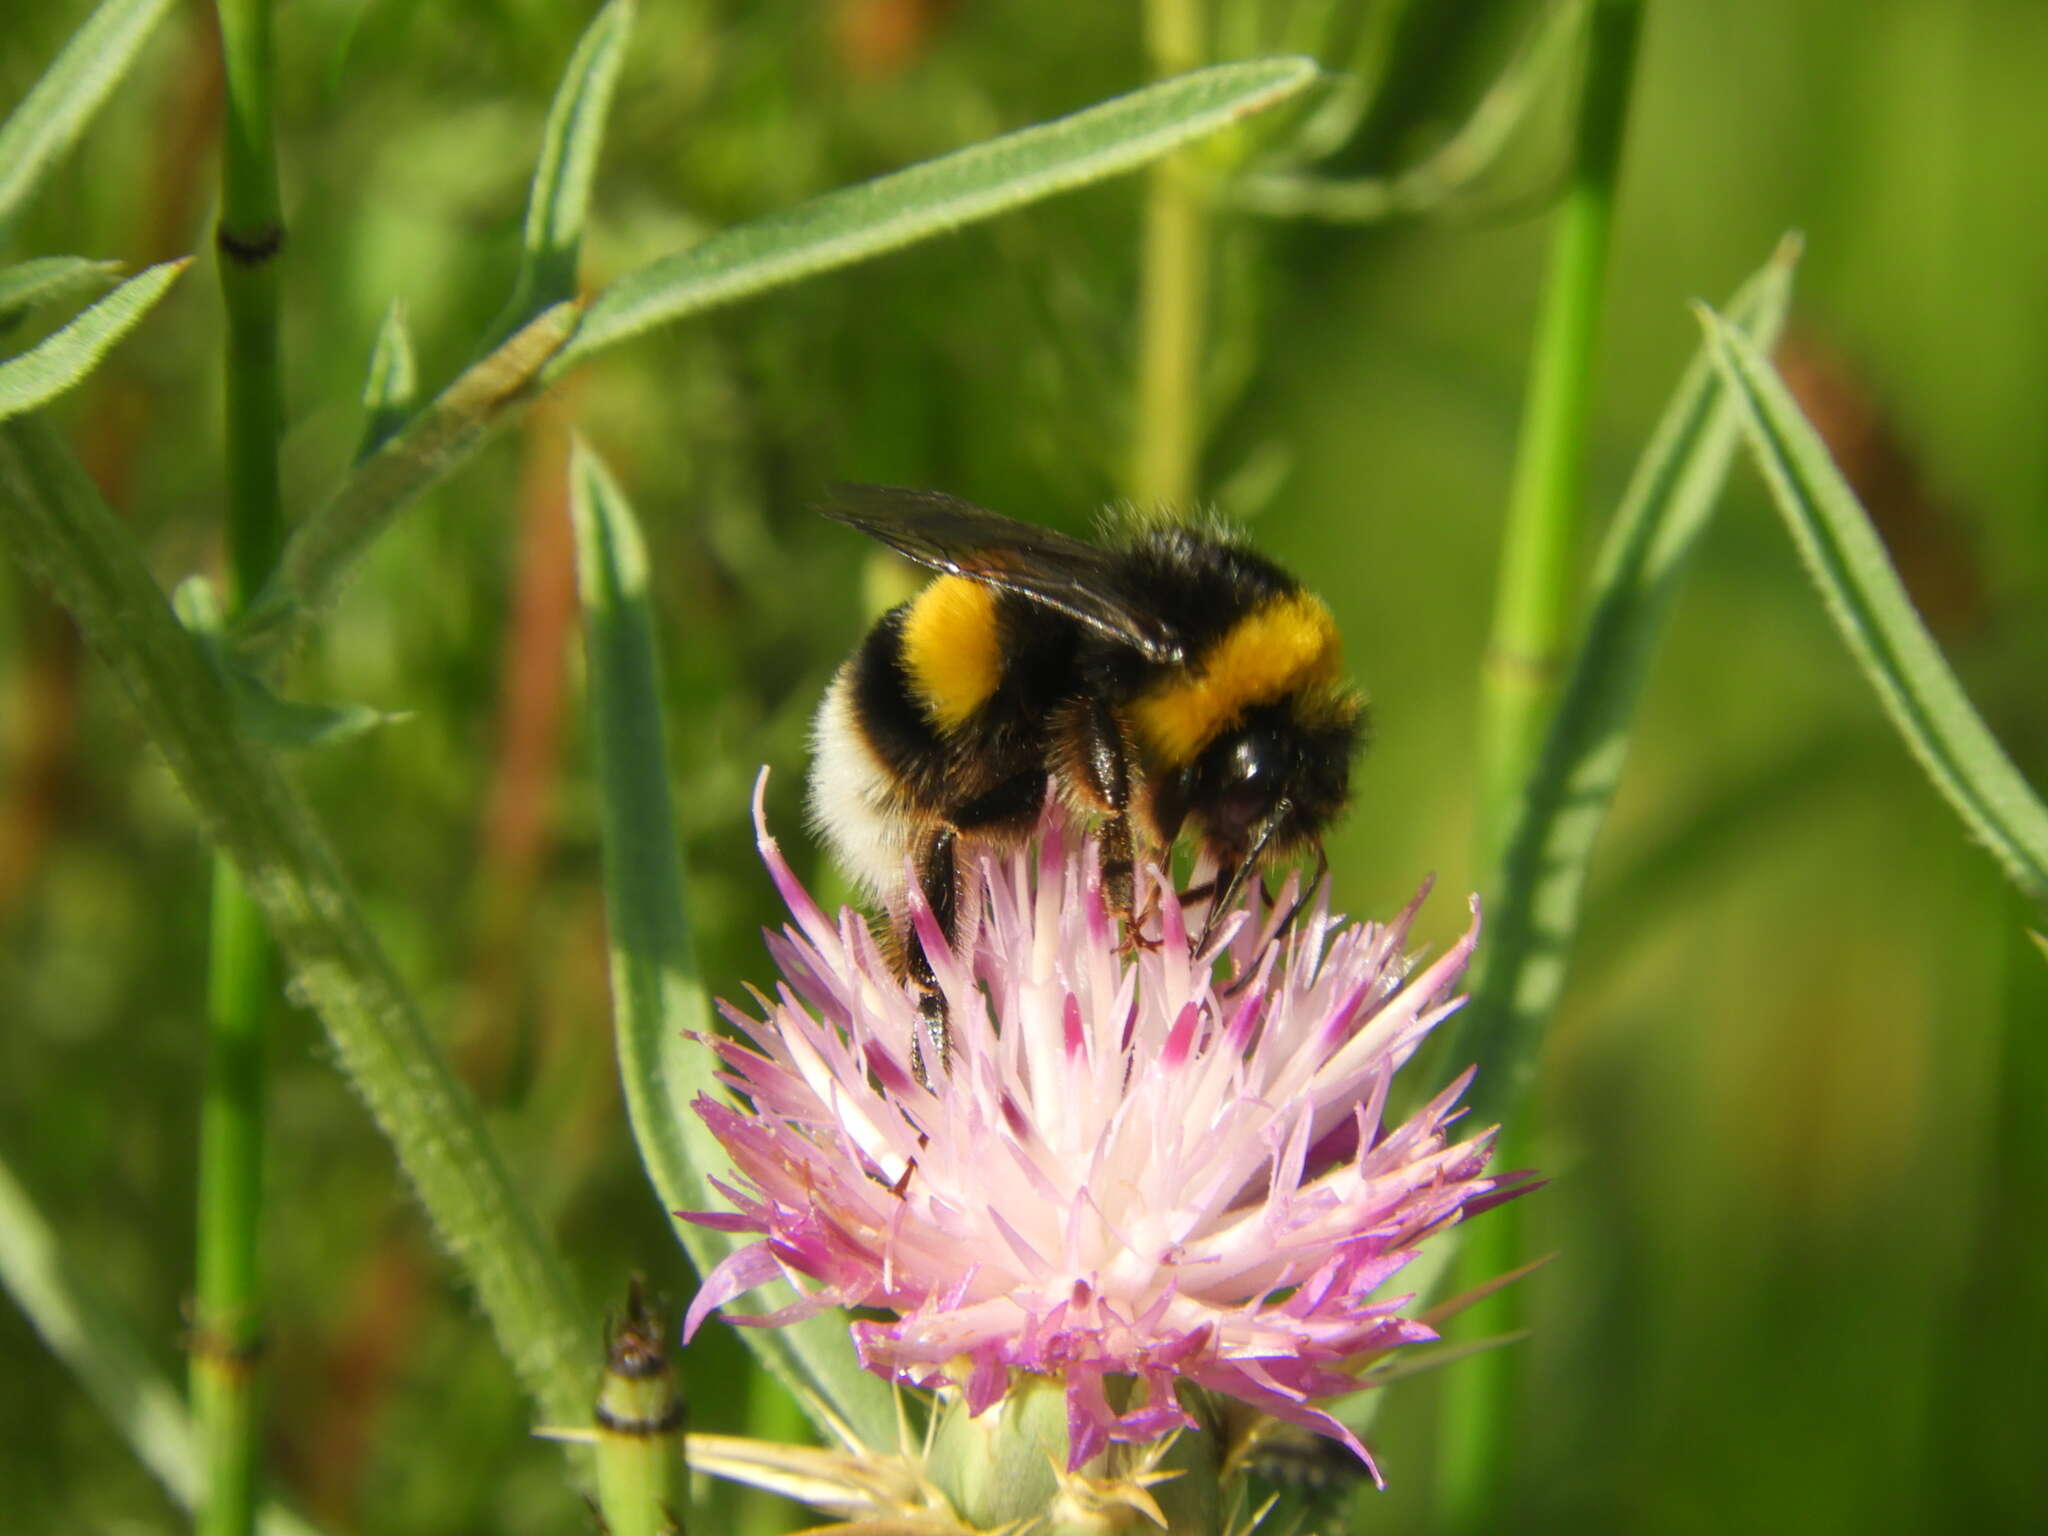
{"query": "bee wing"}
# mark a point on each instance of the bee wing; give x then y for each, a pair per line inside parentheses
(961, 539)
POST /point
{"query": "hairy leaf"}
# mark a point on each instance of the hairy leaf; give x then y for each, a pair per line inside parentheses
(657, 992)
(29, 285)
(1870, 608)
(65, 357)
(560, 199)
(53, 114)
(392, 385)
(1534, 917)
(893, 211)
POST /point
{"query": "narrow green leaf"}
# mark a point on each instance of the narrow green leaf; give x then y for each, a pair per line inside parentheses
(29, 285)
(831, 231)
(269, 719)
(52, 518)
(326, 546)
(393, 383)
(568, 162)
(1440, 180)
(65, 357)
(261, 714)
(94, 1340)
(893, 211)
(1533, 919)
(57, 108)
(1870, 607)
(657, 993)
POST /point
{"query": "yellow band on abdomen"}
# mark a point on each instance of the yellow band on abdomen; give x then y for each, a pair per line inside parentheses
(952, 649)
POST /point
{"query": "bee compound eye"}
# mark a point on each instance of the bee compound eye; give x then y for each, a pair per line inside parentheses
(1252, 764)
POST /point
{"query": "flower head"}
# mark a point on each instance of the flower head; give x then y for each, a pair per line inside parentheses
(1132, 1167)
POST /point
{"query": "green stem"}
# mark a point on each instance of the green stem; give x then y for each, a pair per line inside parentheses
(227, 1321)
(58, 1290)
(1532, 617)
(227, 1318)
(250, 237)
(1540, 547)
(1173, 289)
(53, 520)
(639, 1421)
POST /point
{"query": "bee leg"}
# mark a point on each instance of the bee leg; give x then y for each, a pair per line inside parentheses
(938, 879)
(1010, 808)
(1102, 762)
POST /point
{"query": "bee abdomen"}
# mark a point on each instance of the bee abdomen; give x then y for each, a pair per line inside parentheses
(887, 748)
(950, 650)
(856, 802)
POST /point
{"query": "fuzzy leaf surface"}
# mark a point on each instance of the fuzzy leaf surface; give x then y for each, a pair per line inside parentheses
(657, 991)
(63, 358)
(1877, 621)
(896, 210)
(60, 104)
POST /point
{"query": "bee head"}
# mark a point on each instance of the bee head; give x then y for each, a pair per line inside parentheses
(1268, 784)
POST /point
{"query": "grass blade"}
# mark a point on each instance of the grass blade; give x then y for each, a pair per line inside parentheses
(1534, 917)
(570, 140)
(656, 990)
(65, 357)
(29, 285)
(56, 110)
(893, 211)
(1870, 607)
(52, 517)
(85, 1331)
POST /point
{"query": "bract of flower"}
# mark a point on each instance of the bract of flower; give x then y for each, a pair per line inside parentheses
(1132, 1168)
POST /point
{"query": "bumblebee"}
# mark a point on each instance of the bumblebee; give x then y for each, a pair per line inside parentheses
(1170, 682)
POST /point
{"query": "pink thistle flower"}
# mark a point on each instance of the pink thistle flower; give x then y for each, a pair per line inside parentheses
(1130, 1169)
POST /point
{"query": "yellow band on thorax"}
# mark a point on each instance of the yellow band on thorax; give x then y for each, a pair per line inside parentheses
(952, 649)
(1285, 644)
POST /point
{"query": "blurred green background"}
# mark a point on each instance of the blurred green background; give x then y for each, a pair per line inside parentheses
(1793, 1101)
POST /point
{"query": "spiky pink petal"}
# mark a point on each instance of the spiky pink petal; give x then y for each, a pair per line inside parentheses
(1134, 1167)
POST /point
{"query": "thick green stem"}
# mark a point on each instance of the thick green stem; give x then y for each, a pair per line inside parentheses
(227, 1320)
(639, 1421)
(1540, 548)
(1524, 665)
(1173, 284)
(250, 238)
